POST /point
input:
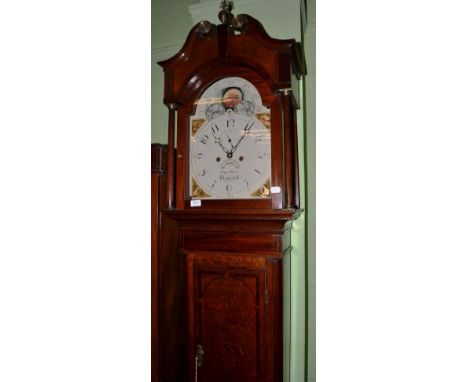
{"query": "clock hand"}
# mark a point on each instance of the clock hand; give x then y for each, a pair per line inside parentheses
(246, 130)
(217, 139)
(226, 151)
(230, 141)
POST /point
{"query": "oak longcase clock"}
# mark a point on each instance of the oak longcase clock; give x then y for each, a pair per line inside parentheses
(233, 189)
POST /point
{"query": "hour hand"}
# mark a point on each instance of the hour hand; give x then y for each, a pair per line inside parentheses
(218, 141)
(217, 138)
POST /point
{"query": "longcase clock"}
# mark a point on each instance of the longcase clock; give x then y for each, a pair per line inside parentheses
(233, 190)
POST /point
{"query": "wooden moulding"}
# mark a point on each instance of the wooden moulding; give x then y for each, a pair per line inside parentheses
(253, 49)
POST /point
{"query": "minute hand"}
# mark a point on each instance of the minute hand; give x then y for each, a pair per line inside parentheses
(246, 129)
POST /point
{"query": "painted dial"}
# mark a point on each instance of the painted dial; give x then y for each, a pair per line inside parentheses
(230, 158)
(230, 142)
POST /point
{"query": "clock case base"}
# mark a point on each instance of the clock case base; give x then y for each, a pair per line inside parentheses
(235, 262)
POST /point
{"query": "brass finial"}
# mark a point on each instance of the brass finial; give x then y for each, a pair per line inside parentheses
(226, 5)
(226, 17)
(225, 14)
(205, 28)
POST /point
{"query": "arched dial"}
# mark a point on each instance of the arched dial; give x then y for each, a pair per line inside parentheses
(231, 158)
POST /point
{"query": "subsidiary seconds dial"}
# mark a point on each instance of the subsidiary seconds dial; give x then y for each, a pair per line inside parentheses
(230, 158)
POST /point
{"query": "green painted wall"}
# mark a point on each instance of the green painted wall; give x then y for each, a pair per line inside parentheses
(310, 202)
(171, 21)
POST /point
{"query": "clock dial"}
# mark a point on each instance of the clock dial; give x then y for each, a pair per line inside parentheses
(230, 158)
(230, 150)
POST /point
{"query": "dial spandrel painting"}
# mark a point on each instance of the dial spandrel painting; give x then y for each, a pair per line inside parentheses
(230, 145)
